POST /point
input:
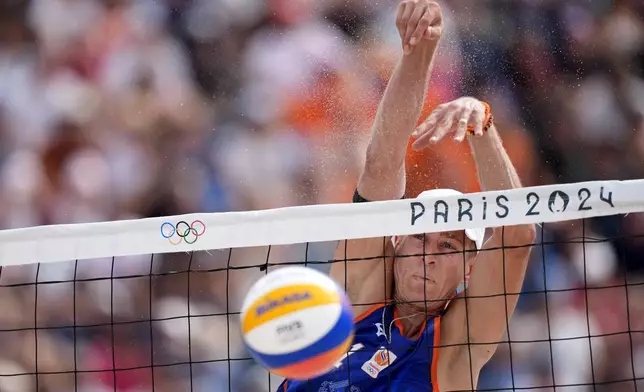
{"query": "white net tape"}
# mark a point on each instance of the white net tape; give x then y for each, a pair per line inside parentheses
(321, 222)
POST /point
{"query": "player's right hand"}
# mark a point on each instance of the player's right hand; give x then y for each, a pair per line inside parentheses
(418, 21)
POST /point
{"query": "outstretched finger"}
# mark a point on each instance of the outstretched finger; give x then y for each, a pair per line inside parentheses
(464, 120)
(429, 123)
(427, 129)
(477, 118)
(444, 126)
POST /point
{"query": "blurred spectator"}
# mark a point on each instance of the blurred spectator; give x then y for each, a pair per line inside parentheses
(115, 109)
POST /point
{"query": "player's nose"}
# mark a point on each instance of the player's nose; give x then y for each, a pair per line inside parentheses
(429, 259)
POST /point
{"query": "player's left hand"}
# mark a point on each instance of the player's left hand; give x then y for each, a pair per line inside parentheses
(451, 120)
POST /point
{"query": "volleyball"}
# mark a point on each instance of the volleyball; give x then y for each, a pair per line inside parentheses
(297, 322)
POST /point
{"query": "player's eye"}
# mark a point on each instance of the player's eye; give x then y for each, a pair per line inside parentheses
(448, 245)
(420, 237)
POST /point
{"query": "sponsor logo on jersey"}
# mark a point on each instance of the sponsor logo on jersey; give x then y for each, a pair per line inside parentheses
(382, 359)
(287, 299)
(381, 330)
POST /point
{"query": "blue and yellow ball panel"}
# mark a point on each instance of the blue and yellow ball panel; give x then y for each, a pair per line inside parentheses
(297, 325)
(285, 300)
(329, 347)
(315, 366)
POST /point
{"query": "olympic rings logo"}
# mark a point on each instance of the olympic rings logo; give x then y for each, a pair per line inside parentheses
(183, 232)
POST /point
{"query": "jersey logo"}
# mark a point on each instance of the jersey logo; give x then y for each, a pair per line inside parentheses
(379, 362)
(381, 330)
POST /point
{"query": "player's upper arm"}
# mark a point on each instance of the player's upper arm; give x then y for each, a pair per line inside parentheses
(492, 293)
(359, 266)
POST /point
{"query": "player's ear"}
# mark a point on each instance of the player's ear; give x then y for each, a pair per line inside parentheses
(471, 250)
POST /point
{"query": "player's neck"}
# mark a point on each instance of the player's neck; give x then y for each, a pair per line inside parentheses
(412, 316)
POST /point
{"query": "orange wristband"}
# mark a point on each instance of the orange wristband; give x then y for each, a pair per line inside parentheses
(487, 121)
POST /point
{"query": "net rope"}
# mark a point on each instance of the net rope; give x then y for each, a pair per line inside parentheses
(134, 306)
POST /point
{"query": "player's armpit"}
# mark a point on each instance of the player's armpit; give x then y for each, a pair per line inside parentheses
(454, 367)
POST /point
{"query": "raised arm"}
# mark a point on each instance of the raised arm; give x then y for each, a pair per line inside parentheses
(500, 267)
(477, 323)
(420, 27)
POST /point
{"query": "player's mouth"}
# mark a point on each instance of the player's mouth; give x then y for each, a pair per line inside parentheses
(423, 278)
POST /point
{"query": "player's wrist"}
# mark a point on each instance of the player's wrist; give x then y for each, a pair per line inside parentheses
(487, 123)
(421, 56)
(358, 198)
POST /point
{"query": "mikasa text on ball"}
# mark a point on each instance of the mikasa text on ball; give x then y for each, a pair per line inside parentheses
(297, 322)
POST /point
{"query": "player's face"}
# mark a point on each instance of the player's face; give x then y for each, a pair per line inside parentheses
(431, 266)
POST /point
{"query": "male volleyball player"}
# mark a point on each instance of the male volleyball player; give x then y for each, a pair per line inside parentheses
(425, 333)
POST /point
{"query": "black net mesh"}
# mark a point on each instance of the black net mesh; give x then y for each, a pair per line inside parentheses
(170, 322)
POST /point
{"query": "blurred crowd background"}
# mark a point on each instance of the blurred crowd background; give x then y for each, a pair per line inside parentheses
(118, 109)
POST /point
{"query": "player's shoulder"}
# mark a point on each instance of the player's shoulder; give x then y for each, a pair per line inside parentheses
(364, 313)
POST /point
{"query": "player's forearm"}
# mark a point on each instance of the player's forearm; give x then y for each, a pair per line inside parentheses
(383, 176)
(496, 172)
(501, 269)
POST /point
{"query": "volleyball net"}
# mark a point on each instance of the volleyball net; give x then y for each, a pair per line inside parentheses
(153, 304)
